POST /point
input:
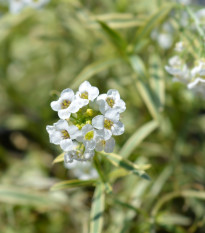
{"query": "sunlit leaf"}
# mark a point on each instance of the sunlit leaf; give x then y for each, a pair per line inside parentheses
(72, 184)
(59, 158)
(126, 164)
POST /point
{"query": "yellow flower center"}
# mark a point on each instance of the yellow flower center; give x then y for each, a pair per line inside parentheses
(65, 104)
(65, 134)
(108, 124)
(89, 135)
(110, 101)
(84, 95)
(103, 142)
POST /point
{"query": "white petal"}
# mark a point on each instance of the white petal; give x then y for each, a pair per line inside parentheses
(66, 145)
(103, 106)
(113, 115)
(107, 134)
(102, 97)
(68, 158)
(93, 93)
(195, 82)
(50, 129)
(73, 131)
(56, 105)
(89, 154)
(99, 146)
(80, 138)
(98, 122)
(61, 125)
(81, 102)
(64, 113)
(74, 107)
(109, 145)
(114, 93)
(86, 128)
(84, 86)
(55, 138)
(67, 94)
(90, 144)
(118, 128)
(70, 165)
(120, 105)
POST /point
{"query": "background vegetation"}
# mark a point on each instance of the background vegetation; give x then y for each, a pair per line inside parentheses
(108, 43)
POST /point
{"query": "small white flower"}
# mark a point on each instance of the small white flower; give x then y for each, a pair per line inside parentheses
(111, 100)
(86, 93)
(199, 70)
(82, 170)
(107, 146)
(89, 136)
(109, 123)
(66, 104)
(165, 40)
(62, 134)
(178, 69)
(197, 85)
(179, 47)
(15, 6)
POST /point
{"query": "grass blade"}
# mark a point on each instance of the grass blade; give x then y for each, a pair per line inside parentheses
(97, 209)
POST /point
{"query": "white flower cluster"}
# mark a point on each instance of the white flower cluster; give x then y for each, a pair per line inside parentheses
(87, 122)
(15, 6)
(192, 76)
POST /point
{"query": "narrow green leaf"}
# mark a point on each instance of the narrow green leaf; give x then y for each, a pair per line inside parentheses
(153, 20)
(22, 196)
(93, 69)
(97, 209)
(59, 158)
(137, 138)
(157, 80)
(147, 94)
(126, 164)
(118, 42)
(72, 184)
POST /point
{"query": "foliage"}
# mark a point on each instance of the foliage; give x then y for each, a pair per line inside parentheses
(108, 43)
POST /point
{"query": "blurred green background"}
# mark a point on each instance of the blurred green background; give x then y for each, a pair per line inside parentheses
(108, 43)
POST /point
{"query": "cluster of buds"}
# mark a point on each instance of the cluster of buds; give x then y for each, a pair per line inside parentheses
(193, 76)
(88, 122)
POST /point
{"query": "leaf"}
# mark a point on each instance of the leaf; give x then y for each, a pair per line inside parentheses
(126, 164)
(147, 94)
(115, 20)
(173, 219)
(22, 196)
(72, 184)
(59, 158)
(152, 21)
(118, 42)
(157, 80)
(137, 138)
(93, 69)
(97, 209)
